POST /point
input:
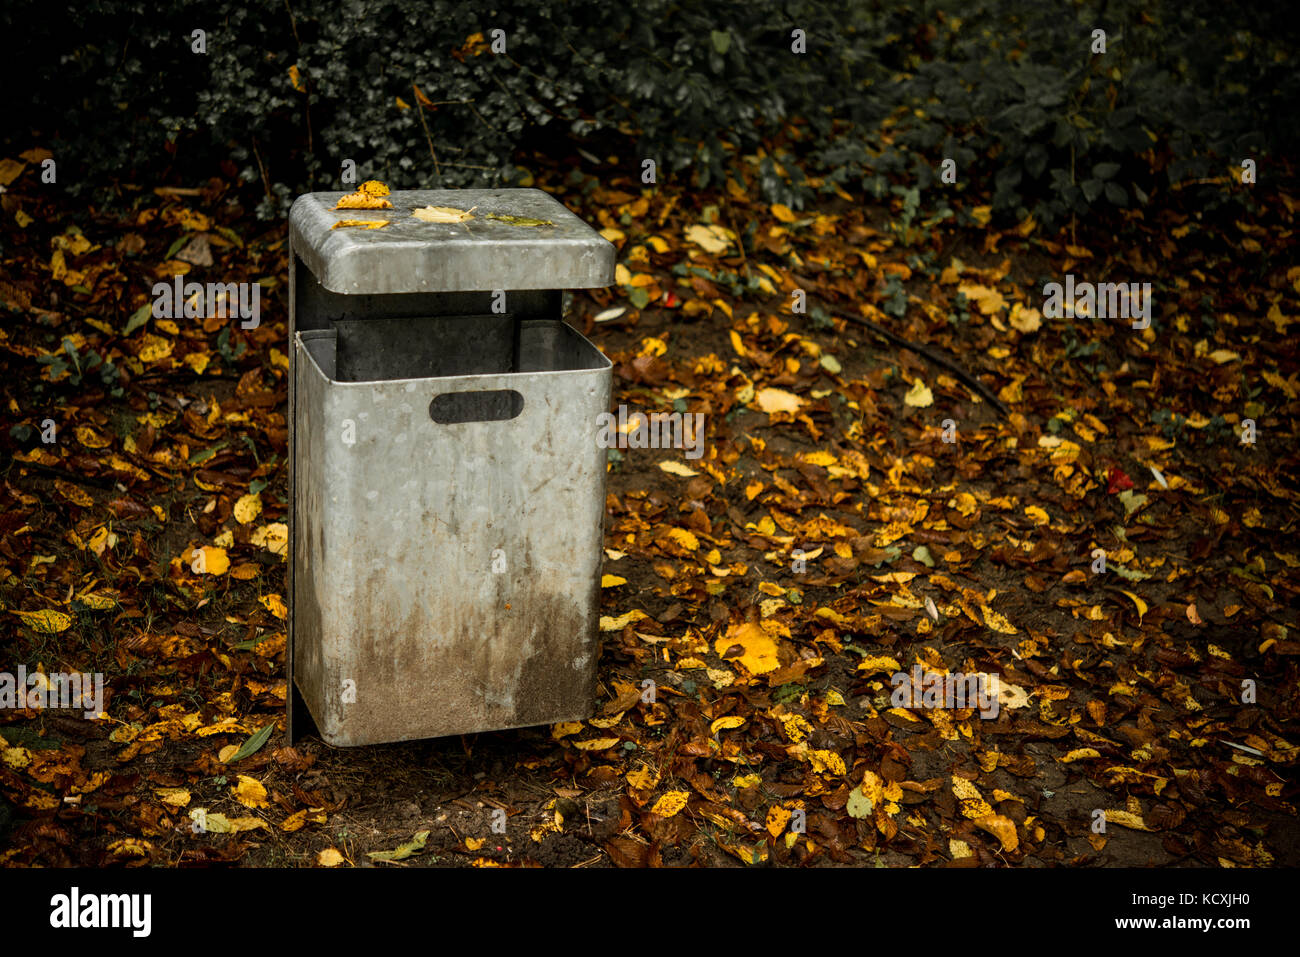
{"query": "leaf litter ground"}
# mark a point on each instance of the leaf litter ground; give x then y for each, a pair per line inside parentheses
(771, 737)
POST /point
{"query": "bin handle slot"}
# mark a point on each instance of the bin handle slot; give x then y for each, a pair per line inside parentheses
(489, 405)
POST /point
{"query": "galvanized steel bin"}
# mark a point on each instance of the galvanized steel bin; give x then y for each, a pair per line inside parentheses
(447, 488)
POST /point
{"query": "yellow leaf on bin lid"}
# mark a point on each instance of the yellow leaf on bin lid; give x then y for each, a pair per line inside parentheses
(361, 223)
(369, 195)
(444, 214)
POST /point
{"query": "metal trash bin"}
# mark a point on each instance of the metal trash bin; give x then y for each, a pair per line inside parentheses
(446, 486)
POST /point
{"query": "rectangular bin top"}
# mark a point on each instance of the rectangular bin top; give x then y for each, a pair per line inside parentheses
(478, 255)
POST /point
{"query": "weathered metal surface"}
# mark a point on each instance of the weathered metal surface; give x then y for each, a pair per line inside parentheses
(481, 254)
(445, 576)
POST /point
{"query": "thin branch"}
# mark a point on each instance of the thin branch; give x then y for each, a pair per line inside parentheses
(437, 171)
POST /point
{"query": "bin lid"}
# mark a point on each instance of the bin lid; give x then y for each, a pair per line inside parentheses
(478, 255)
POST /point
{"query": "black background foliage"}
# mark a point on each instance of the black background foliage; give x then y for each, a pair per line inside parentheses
(887, 90)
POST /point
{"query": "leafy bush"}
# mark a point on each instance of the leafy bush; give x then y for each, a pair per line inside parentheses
(413, 94)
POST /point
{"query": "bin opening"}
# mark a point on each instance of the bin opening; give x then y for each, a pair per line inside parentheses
(379, 350)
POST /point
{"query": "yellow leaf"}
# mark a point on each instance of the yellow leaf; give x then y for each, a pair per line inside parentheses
(565, 728)
(361, 223)
(998, 623)
(249, 792)
(9, 170)
(369, 195)
(207, 560)
(444, 214)
(826, 761)
(1039, 515)
(73, 493)
(611, 581)
(295, 78)
(670, 803)
(1080, 754)
(777, 400)
(248, 507)
(618, 624)
(988, 300)
(743, 781)
(330, 857)
(90, 438)
(643, 778)
(273, 537)
(47, 621)
(873, 664)
(758, 652)
(973, 805)
(176, 797)
(275, 605)
(596, 744)
(1025, 318)
(782, 212)
(712, 239)
(726, 724)
(919, 396)
(474, 843)
(1001, 827)
(677, 468)
(1141, 605)
(685, 539)
(154, 348)
(777, 818)
(1126, 819)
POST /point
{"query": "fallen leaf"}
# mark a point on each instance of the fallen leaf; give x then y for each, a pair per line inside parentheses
(919, 396)
(444, 214)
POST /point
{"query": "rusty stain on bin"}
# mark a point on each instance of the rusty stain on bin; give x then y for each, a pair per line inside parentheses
(450, 570)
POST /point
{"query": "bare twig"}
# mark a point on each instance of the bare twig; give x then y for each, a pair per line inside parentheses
(437, 171)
